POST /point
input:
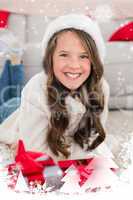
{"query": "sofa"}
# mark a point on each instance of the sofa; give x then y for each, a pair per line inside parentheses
(118, 68)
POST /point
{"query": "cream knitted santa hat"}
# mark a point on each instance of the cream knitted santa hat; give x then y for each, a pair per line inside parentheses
(77, 21)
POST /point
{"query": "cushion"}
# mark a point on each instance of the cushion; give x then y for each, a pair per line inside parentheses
(124, 33)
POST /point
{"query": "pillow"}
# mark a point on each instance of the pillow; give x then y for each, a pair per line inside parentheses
(4, 15)
(124, 33)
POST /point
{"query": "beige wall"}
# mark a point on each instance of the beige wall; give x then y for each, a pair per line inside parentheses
(120, 8)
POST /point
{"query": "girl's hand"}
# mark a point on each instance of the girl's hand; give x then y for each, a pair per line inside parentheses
(13, 149)
(7, 153)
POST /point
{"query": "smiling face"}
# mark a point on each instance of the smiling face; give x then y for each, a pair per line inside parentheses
(71, 64)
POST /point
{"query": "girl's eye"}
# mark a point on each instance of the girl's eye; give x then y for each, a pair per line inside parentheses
(84, 56)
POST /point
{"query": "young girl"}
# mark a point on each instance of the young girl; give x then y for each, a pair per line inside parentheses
(64, 108)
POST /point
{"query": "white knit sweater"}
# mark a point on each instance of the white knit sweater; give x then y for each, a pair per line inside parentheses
(30, 121)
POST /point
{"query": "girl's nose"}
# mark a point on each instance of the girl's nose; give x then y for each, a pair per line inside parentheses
(74, 63)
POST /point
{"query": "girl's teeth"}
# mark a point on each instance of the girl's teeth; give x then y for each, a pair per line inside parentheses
(73, 75)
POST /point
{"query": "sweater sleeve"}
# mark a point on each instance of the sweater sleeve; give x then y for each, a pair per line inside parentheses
(33, 123)
(106, 93)
(34, 114)
(30, 121)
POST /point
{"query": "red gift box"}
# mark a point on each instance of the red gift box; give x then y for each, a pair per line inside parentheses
(32, 164)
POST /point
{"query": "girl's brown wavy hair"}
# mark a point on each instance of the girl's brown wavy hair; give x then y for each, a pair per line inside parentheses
(89, 132)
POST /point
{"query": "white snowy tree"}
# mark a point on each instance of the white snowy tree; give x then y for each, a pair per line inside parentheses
(71, 181)
(21, 185)
(102, 176)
